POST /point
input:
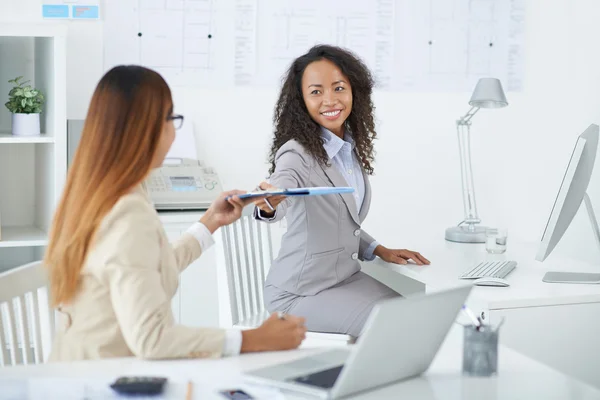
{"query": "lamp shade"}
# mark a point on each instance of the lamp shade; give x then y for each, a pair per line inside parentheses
(488, 94)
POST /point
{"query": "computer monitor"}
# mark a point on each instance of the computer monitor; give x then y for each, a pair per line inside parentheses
(571, 194)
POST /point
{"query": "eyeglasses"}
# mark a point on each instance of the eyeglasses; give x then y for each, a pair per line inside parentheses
(177, 120)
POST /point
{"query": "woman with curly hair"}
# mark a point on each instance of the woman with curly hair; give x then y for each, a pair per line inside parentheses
(324, 132)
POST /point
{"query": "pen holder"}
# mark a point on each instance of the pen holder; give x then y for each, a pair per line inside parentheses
(480, 351)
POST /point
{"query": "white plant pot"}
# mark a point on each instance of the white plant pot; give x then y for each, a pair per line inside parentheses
(26, 124)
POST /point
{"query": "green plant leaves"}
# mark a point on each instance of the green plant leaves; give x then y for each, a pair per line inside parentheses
(16, 80)
(23, 99)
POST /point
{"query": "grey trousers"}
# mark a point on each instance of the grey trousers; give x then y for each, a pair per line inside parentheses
(343, 308)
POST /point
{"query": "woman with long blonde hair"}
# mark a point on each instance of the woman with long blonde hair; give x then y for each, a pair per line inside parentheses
(112, 271)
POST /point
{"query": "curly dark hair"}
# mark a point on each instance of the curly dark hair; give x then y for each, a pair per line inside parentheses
(292, 120)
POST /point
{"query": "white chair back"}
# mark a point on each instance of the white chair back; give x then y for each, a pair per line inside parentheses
(248, 254)
(26, 320)
(249, 251)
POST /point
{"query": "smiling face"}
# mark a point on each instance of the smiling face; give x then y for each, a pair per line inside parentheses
(327, 95)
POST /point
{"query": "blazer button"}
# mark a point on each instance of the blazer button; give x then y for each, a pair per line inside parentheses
(357, 232)
(355, 256)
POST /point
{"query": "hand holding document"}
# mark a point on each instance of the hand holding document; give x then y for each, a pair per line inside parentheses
(267, 196)
(309, 191)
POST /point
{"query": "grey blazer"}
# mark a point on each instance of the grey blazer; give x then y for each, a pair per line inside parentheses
(324, 239)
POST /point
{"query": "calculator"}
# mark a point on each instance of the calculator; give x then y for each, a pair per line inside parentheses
(139, 385)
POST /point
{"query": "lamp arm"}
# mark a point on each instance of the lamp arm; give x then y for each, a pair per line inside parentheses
(465, 120)
(468, 188)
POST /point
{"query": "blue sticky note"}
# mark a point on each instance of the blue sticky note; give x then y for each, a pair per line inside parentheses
(85, 12)
(55, 11)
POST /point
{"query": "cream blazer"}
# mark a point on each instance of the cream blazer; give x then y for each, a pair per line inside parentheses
(123, 307)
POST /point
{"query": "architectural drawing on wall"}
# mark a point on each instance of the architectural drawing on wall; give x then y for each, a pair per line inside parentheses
(383, 67)
(245, 42)
(447, 45)
(280, 30)
(410, 45)
(285, 29)
(178, 38)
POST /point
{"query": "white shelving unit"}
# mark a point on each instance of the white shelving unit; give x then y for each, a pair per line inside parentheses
(6, 138)
(32, 169)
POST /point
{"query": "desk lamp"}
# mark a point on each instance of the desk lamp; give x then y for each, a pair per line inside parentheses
(487, 94)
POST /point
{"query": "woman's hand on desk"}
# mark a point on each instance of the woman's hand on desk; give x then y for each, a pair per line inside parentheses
(399, 256)
(273, 201)
(224, 212)
(276, 333)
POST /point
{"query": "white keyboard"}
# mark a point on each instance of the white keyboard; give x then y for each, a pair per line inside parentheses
(495, 269)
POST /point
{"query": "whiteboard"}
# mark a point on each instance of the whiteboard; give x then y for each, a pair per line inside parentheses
(409, 45)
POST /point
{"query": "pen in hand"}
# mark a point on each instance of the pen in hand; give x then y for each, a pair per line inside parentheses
(266, 201)
(269, 205)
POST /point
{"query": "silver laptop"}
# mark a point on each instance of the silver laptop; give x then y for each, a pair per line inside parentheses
(400, 340)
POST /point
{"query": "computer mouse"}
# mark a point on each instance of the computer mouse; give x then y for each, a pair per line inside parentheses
(489, 281)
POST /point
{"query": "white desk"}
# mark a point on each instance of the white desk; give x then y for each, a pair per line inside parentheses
(519, 377)
(557, 324)
(552, 323)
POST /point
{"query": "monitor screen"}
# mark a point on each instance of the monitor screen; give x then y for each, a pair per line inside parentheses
(572, 190)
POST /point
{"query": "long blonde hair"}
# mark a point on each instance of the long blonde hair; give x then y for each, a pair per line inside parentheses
(116, 151)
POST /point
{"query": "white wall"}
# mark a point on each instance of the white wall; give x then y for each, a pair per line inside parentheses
(519, 152)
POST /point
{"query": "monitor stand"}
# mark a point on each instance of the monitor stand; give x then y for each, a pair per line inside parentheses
(579, 277)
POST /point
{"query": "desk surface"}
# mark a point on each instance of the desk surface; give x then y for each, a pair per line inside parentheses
(449, 260)
(519, 377)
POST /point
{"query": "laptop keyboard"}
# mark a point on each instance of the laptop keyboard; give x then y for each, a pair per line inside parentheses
(324, 379)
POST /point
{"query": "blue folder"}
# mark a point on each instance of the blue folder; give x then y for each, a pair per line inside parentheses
(310, 191)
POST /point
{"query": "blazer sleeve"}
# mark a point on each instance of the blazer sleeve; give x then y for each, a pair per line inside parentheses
(141, 304)
(187, 250)
(365, 241)
(292, 170)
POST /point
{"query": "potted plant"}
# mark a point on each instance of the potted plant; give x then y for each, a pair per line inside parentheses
(25, 104)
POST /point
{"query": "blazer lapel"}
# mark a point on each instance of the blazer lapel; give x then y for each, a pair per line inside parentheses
(364, 210)
(338, 180)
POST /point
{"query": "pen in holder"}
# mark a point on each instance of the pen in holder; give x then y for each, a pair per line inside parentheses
(480, 350)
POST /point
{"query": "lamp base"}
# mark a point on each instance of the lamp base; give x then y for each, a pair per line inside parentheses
(462, 234)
